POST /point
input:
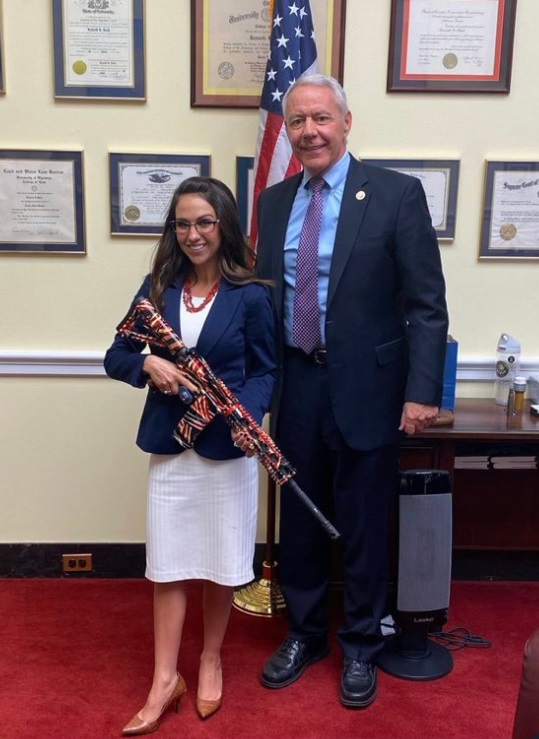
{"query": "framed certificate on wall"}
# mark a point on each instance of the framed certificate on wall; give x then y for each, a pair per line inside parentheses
(231, 41)
(141, 188)
(99, 49)
(451, 45)
(41, 202)
(440, 179)
(510, 227)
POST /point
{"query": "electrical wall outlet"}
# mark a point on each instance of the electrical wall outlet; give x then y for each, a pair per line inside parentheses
(76, 562)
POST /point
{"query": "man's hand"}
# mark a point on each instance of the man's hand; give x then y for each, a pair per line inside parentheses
(416, 417)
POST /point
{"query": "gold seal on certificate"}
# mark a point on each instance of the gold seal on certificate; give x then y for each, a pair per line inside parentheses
(508, 231)
(226, 70)
(450, 60)
(80, 67)
(132, 213)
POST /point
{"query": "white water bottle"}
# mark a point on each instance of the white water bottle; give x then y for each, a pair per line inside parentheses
(507, 367)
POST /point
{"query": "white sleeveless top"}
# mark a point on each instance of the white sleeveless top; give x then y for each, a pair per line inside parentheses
(191, 323)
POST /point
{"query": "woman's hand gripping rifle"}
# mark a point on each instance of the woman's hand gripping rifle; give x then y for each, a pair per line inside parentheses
(144, 323)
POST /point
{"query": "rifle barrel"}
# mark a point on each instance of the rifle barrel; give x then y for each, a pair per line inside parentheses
(325, 523)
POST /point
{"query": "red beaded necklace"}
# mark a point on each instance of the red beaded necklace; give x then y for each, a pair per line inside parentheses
(188, 297)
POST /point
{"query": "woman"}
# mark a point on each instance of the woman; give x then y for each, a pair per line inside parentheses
(202, 502)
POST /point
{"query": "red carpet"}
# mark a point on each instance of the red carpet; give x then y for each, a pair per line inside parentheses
(76, 663)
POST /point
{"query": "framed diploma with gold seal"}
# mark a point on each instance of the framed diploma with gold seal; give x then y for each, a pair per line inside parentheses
(451, 45)
(99, 49)
(510, 228)
(142, 185)
(440, 179)
(41, 202)
(230, 46)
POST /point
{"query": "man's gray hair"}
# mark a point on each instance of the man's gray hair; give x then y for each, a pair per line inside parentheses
(319, 80)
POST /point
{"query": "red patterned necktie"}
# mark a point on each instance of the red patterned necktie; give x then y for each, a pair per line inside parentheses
(306, 320)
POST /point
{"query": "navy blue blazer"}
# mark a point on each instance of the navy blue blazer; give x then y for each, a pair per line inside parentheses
(386, 324)
(238, 342)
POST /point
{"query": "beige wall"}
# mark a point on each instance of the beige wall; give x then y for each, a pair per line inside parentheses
(70, 470)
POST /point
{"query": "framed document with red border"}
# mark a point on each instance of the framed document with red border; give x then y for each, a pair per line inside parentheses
(451, 45)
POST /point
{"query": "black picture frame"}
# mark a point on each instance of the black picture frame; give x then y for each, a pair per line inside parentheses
(510, 222)
(244, 190)
(423, 57)
(141, 186)
(440, 179)
(42, 208)
(2, 72)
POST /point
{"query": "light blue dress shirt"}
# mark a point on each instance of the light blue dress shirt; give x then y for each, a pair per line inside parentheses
(332, 193)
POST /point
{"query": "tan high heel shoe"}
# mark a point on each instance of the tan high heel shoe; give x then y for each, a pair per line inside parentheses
(138, 726)
(205, 709)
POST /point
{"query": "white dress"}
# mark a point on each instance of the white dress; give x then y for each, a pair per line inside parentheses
(202, 513)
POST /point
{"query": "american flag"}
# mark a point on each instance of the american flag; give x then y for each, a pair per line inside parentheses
(292, 53)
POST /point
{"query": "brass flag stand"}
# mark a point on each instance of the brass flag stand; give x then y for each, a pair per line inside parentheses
(263, 597)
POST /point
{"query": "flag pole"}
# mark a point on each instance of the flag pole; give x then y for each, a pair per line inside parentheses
(292, 53)
(263, 597)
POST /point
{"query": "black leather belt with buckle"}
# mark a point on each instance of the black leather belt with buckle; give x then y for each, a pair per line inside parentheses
(319, 356)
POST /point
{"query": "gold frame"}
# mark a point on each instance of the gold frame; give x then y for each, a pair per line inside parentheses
(202, 95)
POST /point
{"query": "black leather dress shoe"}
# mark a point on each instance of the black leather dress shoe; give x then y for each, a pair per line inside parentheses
(358, 683)
(290, 661)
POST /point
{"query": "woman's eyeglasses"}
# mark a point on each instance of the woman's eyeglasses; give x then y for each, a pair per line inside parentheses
(204, 226)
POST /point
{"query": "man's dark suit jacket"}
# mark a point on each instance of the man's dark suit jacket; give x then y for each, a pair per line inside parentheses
(238, 342)
(386, 325)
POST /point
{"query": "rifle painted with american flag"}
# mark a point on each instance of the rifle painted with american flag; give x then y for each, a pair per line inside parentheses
(212, 397)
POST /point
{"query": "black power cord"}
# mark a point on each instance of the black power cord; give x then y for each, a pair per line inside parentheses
(453, 639)
(458, 638)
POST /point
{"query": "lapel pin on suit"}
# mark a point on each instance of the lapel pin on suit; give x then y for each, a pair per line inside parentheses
(360, 195)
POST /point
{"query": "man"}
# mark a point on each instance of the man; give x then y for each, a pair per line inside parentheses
(373, 371)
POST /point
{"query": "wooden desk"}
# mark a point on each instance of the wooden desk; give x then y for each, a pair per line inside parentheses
(492, 508)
